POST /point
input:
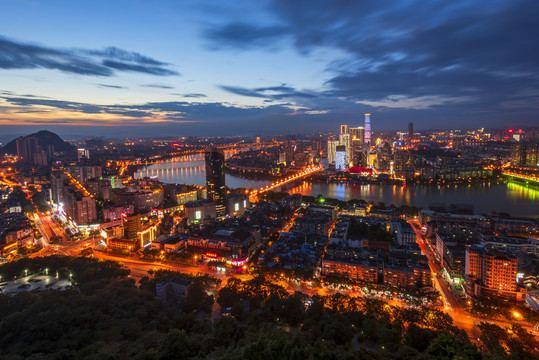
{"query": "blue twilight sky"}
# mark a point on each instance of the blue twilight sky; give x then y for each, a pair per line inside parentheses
(179, 68)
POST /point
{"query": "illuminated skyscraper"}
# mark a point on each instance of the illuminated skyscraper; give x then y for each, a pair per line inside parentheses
(344, 140)
(344, 129)
(332, 148)
(410, 133)
(340, 158)
(367, 129)
(215, 179)
(357, 134)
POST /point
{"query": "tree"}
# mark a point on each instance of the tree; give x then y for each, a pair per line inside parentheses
(291, 309)
(418, 338)
(436, 320)
(230, 294)
(449, 347)
(197, 299)
(492, 337)
(337, 329)
(225, 331)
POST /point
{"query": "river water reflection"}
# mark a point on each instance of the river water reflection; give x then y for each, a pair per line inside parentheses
(513, 198)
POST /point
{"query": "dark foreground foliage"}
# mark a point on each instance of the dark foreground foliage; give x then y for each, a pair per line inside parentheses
(108, 317)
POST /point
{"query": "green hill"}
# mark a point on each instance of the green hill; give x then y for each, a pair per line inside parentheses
(44, 138)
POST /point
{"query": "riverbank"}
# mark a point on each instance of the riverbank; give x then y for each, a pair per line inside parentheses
(499, 195)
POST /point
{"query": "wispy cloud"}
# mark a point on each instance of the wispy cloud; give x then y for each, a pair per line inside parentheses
(272, 92)
(158, 86)
(190, 95)
(111, 86)
(19, 55)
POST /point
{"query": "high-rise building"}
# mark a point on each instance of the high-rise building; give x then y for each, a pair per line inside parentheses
(344, 140)
(83, 173)
(40, 157)
(410, 133)
(82, 153)
(493, 273)
(26, 148)
(132, 226)
(368, 129)
(403, 164)
(474, 263)
(340, 158)
(71, 198)
(525, 153)
(500, 271)
(357, 135)
(332, 148)
(344, 129)
(50, 152)
(215, 179)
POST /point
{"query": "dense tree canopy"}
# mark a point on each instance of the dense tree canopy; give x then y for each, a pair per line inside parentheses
(105, 316)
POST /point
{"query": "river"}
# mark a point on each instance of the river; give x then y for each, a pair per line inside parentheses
(510, 197)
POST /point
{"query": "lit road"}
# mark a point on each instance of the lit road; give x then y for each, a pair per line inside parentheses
(461, 317)
(139, 268)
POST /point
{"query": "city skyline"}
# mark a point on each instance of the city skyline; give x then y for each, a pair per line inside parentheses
(134, 68)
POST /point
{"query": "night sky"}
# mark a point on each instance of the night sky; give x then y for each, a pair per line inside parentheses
(180, 68)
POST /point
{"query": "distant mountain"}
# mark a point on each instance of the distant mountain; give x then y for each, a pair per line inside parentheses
(44, 138)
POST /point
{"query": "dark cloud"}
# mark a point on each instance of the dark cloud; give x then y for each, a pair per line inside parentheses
(152, 70)
(272, 92)
(158, 86)
(410, 54)
(111, 86)
(123, 55)
(243, 35)
(16, 55)
(192, 95)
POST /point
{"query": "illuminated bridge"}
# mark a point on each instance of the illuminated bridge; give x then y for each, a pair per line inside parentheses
(532, 179)
(254, 195)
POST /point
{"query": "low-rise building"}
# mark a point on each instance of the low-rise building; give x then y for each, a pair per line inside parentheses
(292, 202)
(359, 210)
(235, 245)
(512, 244)
(174, 243)
(426, 216)
(172, 289)
(200, 211)
(119, 244)
(237, 204)
(330, 210)
(144, 194)
(350, 268)
(515, 226)
(404, 232)
(113, 213)
(404, 276)
(15, 231)
(340, 232)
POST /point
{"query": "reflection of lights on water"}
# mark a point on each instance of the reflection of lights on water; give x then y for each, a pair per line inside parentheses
(516, 190)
